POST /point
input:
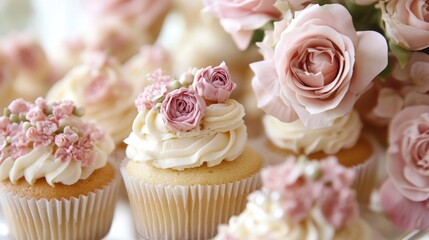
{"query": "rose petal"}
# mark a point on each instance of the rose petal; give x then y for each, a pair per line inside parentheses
(404, 213)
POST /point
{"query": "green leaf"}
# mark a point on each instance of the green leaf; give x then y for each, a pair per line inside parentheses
(387, 70)
(401, 54)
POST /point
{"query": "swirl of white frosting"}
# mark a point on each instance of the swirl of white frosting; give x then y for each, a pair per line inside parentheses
(264, 219)
(114, 114)
(40, 162)
(222, 136)
(294, 136)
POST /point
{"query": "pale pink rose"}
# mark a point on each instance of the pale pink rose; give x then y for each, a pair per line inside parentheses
(183, 109)
(214, 84)
(319, 68)
(241, 18)
(403, 212)
(407, 22)
(408, 161)
(18, 106)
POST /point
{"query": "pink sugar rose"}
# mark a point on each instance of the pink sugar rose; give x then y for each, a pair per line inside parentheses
(98, 89)
(406, 22)
(64, 154)
(183, 109)
(214, 84)
(403, 212)
(408, 158)
(319, 67)
(35, 114)
(18, 106)
(242, 17)
(67, 138)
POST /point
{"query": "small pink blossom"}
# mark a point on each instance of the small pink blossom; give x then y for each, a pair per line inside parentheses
(41, 103)
(157, 76)
(35, 115)
(304, 185)
(64, 154)
(214, 84)
(98, 89)
(19, 106)
(67, 138)
(183, 109)
(4, 122)
(63, 109)
(150, 95)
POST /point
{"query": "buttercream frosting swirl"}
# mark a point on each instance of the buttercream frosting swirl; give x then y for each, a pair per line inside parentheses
(294, 136)
(41, 162)
(263, 219)
(221, 136)
(50, 140)
(107, 96)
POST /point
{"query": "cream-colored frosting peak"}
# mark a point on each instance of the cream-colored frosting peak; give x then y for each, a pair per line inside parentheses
(221, 136)
(263, 219)
(41, 163)
(293, 136)
(114, 113)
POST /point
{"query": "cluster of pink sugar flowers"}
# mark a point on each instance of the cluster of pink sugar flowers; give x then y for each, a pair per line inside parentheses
(303, 185)
(25, 126)
(182, 102)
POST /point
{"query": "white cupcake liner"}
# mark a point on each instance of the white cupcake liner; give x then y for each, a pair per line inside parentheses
(366, 173)
(86, 217)
(163, 211)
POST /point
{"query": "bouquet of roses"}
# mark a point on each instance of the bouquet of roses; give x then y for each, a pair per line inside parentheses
(322, 57)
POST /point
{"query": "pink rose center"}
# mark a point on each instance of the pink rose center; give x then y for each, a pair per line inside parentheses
(184, 107)
(317, 64)
(415, 147)
(98, 89)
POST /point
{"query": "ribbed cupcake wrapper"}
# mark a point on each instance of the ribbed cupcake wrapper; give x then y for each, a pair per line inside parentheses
(85, 217)
(185, 212)
(366, 173)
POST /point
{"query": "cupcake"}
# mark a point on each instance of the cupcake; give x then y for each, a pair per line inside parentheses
(28, 58)
(189, 168)
(101, 88)
(301, 199)
(343, 140)
(56, 179)
(310, 87)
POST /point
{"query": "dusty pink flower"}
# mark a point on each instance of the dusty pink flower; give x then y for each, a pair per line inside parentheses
(214, 84)
(241, 18)
(339, 206)
(35, 114)
(319, 67)
(4, 122)
(18, 106)
(63, 109)
(183, 109)
(64, 154)
(150, 95)
(67, 138)
(407, 22)
(98, 89)
(408, 215)
(408, 158)
(304, 185)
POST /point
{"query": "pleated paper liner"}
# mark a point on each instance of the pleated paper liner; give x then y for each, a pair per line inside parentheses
(86, 217)
(163, 211)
